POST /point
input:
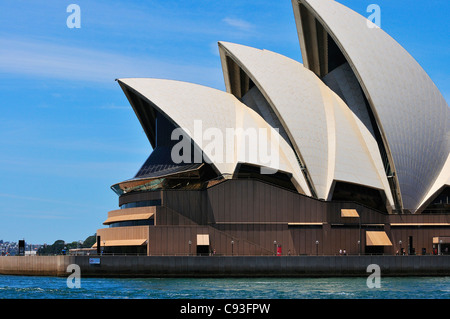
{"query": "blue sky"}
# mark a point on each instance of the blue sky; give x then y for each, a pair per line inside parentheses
(67, 131)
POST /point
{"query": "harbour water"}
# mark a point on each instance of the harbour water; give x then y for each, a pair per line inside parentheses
(30, 287)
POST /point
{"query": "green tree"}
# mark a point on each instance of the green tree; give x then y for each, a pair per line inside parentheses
(59, 245)
(88, 242)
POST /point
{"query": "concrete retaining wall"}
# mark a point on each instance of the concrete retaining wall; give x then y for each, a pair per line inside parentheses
(226, 266)
(33, 265)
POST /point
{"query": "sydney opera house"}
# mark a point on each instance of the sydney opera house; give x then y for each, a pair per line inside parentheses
(348, 150)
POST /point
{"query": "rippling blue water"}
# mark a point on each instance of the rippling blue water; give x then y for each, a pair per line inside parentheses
(23, 287)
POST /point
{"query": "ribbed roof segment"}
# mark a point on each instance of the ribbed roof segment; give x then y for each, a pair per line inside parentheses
(332, 142)
(411, 113)
(201, 112)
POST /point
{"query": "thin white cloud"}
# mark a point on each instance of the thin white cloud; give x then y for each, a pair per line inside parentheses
(239, 24)
(49, 60)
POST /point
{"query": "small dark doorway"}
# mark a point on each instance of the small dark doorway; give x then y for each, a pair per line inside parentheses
(375, 250)
(202, 250)
(411, 250)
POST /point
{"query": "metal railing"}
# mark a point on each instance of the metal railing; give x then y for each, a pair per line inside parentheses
(243, 255)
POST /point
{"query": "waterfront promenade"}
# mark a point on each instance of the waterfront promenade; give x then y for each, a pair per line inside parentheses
(225, 266)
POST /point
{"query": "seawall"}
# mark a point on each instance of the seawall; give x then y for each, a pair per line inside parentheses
(225, 266)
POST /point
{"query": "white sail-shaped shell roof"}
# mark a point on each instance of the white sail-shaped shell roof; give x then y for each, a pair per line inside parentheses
(411, 114)
(205, 114)
(331, 141)
(359, 110)
(442, 181)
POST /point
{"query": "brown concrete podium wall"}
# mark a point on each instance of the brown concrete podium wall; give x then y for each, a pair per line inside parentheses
(258, 217)
(225, 266)
(34, 265)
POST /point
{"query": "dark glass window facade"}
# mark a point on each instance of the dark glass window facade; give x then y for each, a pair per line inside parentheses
(145, 222)
(145, 203)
